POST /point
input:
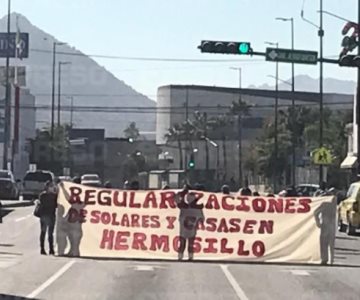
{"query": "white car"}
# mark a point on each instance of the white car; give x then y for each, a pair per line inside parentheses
(91, 180)
(34, 183)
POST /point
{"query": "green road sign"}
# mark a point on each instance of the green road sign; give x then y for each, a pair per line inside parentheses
(290, 56)
(322, 156)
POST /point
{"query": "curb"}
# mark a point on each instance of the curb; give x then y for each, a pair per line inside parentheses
(15, 204)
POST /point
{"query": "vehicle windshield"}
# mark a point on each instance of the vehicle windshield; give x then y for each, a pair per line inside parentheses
(38, 176)
(90, 178)
(5, 174)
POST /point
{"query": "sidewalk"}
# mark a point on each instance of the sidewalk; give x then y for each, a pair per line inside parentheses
(16, 203)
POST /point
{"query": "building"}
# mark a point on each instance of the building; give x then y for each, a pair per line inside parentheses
(23, 128)
(177, 103)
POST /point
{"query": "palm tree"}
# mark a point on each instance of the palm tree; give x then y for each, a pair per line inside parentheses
(176, 133)
(132, 131)
(240, 109)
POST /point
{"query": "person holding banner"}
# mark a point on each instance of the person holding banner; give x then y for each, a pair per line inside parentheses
(190, 215)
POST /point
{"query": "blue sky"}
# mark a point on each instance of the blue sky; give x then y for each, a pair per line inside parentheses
(174, 29)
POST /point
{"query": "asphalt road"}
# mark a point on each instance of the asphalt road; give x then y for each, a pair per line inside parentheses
(24, 273)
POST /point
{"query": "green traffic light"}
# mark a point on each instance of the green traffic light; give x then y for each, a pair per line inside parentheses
(191, 164)
(244, 48)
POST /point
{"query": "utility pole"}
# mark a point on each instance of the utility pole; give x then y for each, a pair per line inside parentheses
(7, 107)
(61, 63)
(321, 87)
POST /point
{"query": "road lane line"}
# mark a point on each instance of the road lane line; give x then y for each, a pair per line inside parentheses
(51, 280)
(22, 218)
(238, 290)
(300, 272)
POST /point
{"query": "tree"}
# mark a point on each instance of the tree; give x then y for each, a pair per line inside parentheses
(175, 134)
(240, 109)
(132, 131)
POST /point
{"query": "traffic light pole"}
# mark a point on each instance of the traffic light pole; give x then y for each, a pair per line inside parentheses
(358, 102)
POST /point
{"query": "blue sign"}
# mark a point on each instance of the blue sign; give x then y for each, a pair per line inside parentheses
(22, 50)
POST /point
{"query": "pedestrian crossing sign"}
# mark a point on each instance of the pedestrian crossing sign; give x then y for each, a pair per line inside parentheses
(322, 156)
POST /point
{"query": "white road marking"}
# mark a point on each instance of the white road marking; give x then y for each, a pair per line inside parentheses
(22, 218)
(144, 268)
(51, 280)
(239, 292)
(300, 273)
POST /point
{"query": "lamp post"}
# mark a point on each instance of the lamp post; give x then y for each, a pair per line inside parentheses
(276, 143)
(293, 169)
(61, 63)
(321, 34)
(215, 145)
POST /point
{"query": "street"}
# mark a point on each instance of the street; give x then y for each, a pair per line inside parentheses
(24, 273)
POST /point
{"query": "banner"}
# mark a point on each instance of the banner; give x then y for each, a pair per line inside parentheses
(95, 222)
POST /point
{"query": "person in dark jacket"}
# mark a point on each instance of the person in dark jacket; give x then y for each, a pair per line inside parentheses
(48, 205)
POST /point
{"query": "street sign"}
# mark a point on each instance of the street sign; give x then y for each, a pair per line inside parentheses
(24, 44)
(292, 56)
(322, 156)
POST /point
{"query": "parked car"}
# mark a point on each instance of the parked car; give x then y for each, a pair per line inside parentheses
(91, 180)
(348, 210)
(307, 189)
(34, 183)
(8, 187)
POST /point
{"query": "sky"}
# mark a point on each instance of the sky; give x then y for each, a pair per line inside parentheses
(174, 29)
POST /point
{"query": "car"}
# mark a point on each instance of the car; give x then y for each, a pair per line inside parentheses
(34, 183)
(307, 189)
(91, 180)
(348, 210)
(8, 187)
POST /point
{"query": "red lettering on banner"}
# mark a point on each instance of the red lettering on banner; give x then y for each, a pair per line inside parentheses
(289, 204)
(223, 248)
(150, 197)
(197, 245)
(171, 220)
(211, 222)
(225, 205)
(223, 226)
(176, 243)
(267, 226)
(135, 221)
(155, 222)
(210, 248)
(241, 250)
(259, 205)
(243, 206)
(95, 217)
(235, 225)
(121, 240)
(105, 218)
(114, 221)
(249, 226)
(106, 200)
(276, 205)
(75, 193)
(169, 198)
(125, 221)
(258, 248)
(89, 198)
(158, 242)
(123, 201)
(107, 241)
(195, 204)
(200, 225)
(305, 203)
(145, 221)
(212, 202)
(132, 203)
(138, 241)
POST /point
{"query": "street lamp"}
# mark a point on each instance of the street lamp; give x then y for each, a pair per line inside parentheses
(276, 143)
(216, 146)
(293, 180)
(321, 34)
(61, 63)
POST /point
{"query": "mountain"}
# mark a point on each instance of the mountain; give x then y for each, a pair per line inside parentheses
(309, 84)
(90, 84)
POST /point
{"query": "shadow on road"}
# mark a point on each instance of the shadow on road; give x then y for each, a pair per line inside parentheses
(10, 253)
(13, 297)
(4, 212)
(346, 249)
(7, 245)
(346, 238)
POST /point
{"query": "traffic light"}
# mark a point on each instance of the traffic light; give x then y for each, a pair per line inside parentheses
(349, 61)
(240, 48)
(191, 163)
